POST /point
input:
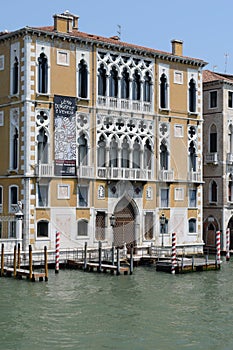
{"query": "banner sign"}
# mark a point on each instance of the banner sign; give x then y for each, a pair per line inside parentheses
(65, 135)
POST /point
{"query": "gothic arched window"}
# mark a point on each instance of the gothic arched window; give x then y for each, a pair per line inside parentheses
(43, 74)
(113, 82)
(125, 84)
(163, 156)
(192, 96)
(192, 157)
(15, 84)
(82, 151)
(82, 78)
(102, 81)
(147, 155)
(113, 157)
(147, 88)
(102, 152)
(213, 139)
(42, 147)
(213, 191)
(15, 149)
(136, 154)
(125, 154)
(163, 91)
(136, 86)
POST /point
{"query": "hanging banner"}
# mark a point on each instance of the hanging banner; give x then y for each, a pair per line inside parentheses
(65, 135)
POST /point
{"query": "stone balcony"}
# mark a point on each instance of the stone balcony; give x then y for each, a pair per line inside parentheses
(123, 174)
(166, 175)
(211, 158)
(194, 176)
(124, 104)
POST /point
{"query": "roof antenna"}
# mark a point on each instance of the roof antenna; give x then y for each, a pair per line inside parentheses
(119, 31)
(226, 58)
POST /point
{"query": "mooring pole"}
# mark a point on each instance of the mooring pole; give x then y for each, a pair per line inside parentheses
(131, 259)
(57, 251)
(2, 260)
(118, 261)
(30, 262)
(113, 254)
(217, 249)
(228, 244)
(15, 261)
(18, 261)
(173, 270)
(100, 256)
(46, 263)
(85, 256)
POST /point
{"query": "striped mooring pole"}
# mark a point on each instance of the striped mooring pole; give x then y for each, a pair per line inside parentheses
(217, 247)
(173, 270)
(57, 251)
(228, 244)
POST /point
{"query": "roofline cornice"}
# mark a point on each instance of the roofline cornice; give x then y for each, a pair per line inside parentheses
(105, 45)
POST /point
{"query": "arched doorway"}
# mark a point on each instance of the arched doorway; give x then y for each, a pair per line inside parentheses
(124, 230)
(209, 233)
(230, 226)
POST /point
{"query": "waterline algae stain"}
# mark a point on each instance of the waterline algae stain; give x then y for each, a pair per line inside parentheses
(143, 311)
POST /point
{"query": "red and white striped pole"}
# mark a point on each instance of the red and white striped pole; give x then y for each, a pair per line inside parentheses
(173, 253)
(57, 251)
(218, 247)
(228, 244)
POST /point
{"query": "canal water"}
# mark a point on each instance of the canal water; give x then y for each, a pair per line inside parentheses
(91, 311)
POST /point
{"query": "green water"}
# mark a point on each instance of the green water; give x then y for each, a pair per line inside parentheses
(147, 310)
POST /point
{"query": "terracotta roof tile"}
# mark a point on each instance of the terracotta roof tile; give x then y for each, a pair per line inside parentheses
(209, 76)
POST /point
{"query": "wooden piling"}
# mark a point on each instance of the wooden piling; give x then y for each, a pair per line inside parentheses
(15, 261)
(131, 259)
(113, 254)
(85, 257)
(118, 261)
(2, 260)
(30, 262)
(100, 256)
(18, 259)
(46, 263)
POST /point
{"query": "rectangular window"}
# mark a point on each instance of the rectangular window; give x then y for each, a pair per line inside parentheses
(1, 198)
(1, 118)
(149, 225)
(178, 77)
(213, 99)
(178, 130)
(83, 196)
(230, 99)
(192, 198)
(2, 62)
(43, 195)
(164, 195)
(12, 229)
(63, 191)
(63, 58)
(179, 194)
(13, 199)
(100, 226)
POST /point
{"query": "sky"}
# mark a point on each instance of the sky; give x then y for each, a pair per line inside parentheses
(204, 26)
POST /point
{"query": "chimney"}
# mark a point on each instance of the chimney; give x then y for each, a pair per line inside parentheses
(177, 47)
(65, 22)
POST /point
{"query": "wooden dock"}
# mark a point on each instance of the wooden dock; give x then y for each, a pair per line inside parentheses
(188, 265)
(20, 273)
(96, 266)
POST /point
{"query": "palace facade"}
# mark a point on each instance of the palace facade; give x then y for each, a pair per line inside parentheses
(218, 157)
(100, 139)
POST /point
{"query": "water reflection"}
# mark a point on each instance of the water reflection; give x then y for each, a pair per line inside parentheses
(148, 310)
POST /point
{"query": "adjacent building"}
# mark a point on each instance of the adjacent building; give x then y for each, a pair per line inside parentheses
(100, 139)
(218, 157)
